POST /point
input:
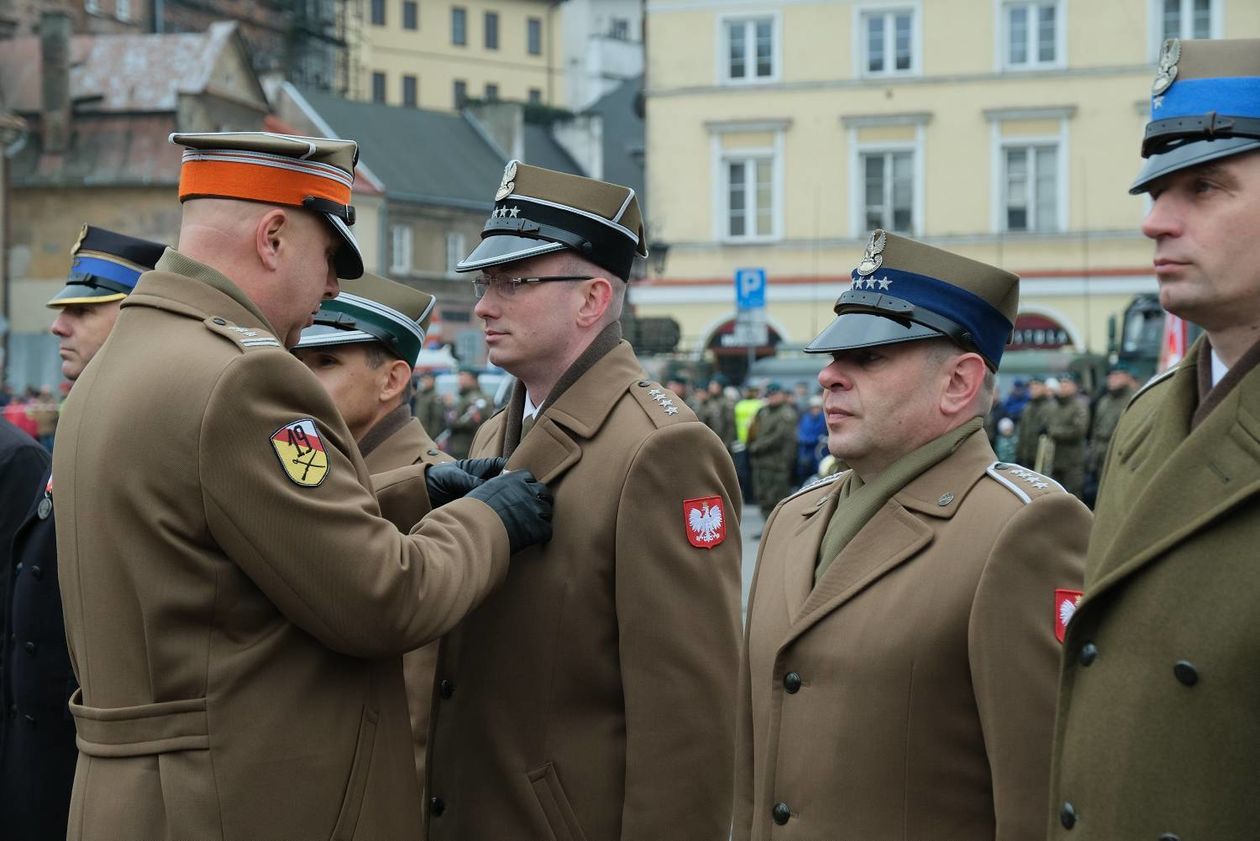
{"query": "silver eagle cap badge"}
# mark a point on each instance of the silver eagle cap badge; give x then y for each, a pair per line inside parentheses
(873, 258)
(1167, 73)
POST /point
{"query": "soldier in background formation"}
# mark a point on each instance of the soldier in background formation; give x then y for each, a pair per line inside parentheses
(1065, 419)
(718, 412)
(1106, 416)
(427, 406)
(235, 605)
(902, 643)
(37, 747)
(1157, 727)
(772, 448)
(471, 408)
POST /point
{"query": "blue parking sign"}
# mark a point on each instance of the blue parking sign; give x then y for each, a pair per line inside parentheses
(750, 289)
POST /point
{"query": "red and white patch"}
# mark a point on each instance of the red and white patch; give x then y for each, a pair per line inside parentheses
(1065, 602)
(704, 521)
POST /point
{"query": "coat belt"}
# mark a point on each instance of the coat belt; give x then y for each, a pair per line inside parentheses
(136, 731)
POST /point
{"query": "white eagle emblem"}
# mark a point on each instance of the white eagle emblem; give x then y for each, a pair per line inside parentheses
(1067, 608)
(705, 523)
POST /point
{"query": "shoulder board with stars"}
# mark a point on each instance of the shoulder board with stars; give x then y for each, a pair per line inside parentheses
(1024, 483)
(824, 482)
(1163, 376)
(246, 338)
(659, 402)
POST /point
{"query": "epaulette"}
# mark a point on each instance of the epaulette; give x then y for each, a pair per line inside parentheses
(246, 338)
(1024, 483)
(660, 404)
(1154, 381)
(813, 486)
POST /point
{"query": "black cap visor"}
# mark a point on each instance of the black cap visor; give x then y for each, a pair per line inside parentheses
(499, 249)
(863, 329)
(1187, 155)
(348, 261)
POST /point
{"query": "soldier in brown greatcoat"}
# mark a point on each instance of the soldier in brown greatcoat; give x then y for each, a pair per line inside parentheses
(591, 697)
(362, 348)
(235, 606)
(901, 654)
(1158, 730)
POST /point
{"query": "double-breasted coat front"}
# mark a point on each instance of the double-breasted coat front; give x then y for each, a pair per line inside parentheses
(909, 694)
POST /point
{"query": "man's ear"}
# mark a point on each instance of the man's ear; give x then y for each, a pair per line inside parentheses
(267, 237)
(966, 378)
(397, 377)
(597, 296)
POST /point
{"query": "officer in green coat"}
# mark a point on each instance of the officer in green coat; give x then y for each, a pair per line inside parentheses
(1067, 422)
(773, 450)
(1158, 731)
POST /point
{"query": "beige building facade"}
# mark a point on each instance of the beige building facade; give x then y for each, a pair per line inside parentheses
(779, 132)
(438, 55)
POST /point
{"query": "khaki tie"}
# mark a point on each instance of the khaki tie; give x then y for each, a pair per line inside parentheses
(527, 425)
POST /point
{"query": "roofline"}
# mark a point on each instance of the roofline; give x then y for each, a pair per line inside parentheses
(320, 123)
(439, 201)
(484, 134)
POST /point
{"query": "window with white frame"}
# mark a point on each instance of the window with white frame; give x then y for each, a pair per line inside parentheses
(456, 248)
(122, 9)
(1031, 34)
(1186, 18)
(888, 189)
(400, 252)
(888, 42)
(749, 54)
(749, 191)
(91, 6)
(1030, 187)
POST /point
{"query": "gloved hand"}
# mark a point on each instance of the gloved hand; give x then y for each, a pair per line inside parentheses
(522, 503)
(447, 483)
(482, 468)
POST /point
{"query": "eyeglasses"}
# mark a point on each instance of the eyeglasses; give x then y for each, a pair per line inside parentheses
(508, 286)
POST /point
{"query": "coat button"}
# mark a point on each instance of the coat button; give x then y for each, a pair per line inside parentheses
(1186, 672)
(218, 321)
(644, 383)
(29, 646)
(792, 683)
(19, 566)
(37, 571)
(1067, 815)
(437, 806)
(1088, 654)
(30, 720)
(446, 688)
(433, 452)
(781, 813)
(1169, 836)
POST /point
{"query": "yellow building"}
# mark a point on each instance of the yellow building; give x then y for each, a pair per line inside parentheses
(437, 55)
(780, 132)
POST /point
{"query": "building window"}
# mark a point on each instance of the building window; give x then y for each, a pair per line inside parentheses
(889, 42)
(400, 253)
(535, 96)
(1031, 187)
(888, 190)
(1186, 18)
(91, 6)
(619, 29)
(1031, 34)
(492, 92)
(410, 98)
(456, 248)
(122, 9)
(378, 87)
(461, 93)
(411, 14)
(492, 30)
(459, 26)
(378, 12)
(533, 36)
(749, 50)
(749, 192)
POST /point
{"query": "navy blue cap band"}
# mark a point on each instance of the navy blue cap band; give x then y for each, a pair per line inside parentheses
(1238, 96)
(123, 278)
(982, 323)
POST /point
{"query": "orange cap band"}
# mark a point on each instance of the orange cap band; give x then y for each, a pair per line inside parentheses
(257, 182)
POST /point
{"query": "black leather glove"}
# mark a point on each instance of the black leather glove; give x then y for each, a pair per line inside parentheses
(522, 503)
(447, 483)
(482, 468)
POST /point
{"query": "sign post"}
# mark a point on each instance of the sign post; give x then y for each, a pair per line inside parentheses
(750, 311)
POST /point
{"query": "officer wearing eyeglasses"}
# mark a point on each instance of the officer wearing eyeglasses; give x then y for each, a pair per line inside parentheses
(592, 696)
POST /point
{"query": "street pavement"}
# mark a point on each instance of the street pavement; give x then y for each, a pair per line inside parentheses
(750, 523)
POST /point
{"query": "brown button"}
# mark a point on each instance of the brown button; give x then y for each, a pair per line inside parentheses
(792, 683)
(781, 813)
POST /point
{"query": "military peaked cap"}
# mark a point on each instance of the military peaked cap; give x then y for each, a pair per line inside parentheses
(540, 211)
(1205, 105)
(315, 173)
(106, 267)
(379, 310)
(904, 290)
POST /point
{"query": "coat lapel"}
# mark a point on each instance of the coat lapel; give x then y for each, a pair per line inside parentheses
(799, 567)
(1206, 473)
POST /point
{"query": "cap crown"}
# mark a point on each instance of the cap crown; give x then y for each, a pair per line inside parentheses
(1204, 89)
(378, 310)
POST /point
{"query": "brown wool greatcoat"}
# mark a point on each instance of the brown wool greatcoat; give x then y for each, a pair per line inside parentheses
(592, 697)
(237, 636)
(406, 445)
(910, 694)
(1158, 734)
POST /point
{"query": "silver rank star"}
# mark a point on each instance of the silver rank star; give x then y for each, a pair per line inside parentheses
(670, 410)
(655, 392)
(514, 212)
(884, 283)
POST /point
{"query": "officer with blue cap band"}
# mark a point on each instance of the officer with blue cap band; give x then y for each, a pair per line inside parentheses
(1205, 105)
(106, 267)
(905, 291)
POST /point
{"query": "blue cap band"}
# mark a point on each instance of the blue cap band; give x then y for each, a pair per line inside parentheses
(99, 267)
(988, 328)
(1234, 96)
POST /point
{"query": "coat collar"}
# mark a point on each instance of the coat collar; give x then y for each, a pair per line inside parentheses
(896, 534)
(406, 445)
(1205, 472)
(550, 448)
(182, 285)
